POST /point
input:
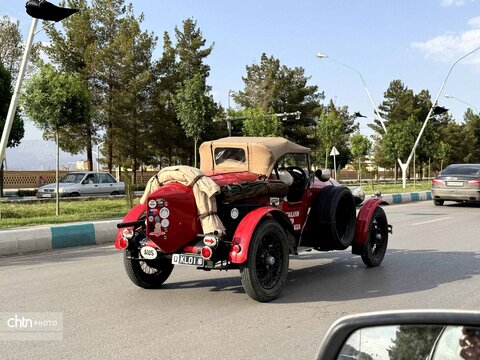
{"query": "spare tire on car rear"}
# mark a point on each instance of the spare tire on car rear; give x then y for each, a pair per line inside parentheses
(332, 218)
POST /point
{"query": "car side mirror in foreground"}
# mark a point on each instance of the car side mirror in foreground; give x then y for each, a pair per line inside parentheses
(322, 175)
(423, 335)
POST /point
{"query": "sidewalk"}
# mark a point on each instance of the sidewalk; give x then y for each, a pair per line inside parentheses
(406, 197)
(49, 237)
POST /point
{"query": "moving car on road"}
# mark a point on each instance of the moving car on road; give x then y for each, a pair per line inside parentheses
(263, 204)
(457, 182)
(84, 183)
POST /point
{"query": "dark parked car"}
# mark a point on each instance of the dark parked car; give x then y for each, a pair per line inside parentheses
(457, 182)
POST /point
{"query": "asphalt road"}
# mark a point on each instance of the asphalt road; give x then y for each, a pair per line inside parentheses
(432, 262)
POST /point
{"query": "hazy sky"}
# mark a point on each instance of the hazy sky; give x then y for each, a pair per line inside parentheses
(413, 40)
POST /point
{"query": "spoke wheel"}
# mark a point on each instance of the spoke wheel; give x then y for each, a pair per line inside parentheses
(376, 245)
(148, 274)
(264, 274)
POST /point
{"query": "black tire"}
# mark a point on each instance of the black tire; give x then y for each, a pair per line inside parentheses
(115, 193)
(376, 246)
(148, 274)
(332, 218)
(264, 274)
(438, 202)
(74, 194)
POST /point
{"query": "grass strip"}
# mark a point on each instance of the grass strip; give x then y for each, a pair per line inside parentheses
(19, 214)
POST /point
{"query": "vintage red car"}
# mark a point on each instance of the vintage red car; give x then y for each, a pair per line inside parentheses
(267, 204)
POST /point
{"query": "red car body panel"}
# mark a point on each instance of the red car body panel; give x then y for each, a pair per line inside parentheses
(183, 223)
(246, 228)
(364, 218)
(133, 215)
(297, 211)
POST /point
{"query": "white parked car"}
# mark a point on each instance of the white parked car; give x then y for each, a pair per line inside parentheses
(84, 183)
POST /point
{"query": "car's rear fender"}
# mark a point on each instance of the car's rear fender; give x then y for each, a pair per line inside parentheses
(133, 215)
(246, 228)
(364, 218)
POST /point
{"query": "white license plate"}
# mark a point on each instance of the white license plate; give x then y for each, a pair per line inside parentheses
(454, 183)
(46, 195)
(183, 259)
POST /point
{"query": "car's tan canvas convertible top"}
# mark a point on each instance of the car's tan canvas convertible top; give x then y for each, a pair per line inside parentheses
(255, 154)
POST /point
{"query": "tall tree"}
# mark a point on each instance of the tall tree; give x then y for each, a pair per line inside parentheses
(359, 147)
(258, 123)
(334, 127)
(193, 107)
(134, 94)
(164, 124)
(191, 51)
(73, 50)
(405, 113)
(108, 15)
(413, 342)
(328, 131)
(275, 88)
(472, 136)
(17, 132)
(11, 45)
(53, 100)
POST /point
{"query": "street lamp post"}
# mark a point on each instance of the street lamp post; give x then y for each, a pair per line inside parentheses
(37, 9)
(97, 154)
(323, 56)
(403, 166)
(43, 10)
(464, 102)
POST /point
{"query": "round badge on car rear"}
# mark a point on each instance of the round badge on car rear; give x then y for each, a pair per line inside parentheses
(164, 212)
(165, 223)
(152, 204)
(234, 213)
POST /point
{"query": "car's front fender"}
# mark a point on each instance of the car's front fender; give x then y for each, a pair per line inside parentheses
(364, 218)
(246, 228)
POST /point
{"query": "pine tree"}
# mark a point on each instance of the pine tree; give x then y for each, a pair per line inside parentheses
(274, 88)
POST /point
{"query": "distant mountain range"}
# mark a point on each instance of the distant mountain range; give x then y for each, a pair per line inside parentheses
(39, 155)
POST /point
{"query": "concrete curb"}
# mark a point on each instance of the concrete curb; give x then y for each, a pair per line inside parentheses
(406, 197)
(41, 238)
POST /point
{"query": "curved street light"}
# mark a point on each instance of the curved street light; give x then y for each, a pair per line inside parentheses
(323, 56)
(37, 9)
(43, 10)
(462, 101)
(404, 167)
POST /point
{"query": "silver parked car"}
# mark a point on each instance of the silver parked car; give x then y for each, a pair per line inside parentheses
(457, 182)
(84, 183)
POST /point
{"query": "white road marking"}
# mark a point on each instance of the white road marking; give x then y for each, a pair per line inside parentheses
(431, 221)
